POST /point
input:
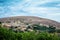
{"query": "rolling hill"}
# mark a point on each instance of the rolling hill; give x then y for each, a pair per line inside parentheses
(31, 20)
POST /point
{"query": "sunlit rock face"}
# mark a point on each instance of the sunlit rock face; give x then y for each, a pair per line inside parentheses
(24, 21)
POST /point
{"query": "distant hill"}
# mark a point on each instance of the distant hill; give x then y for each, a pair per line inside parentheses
(31, 20)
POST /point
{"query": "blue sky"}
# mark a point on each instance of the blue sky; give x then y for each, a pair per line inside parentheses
(42, 8)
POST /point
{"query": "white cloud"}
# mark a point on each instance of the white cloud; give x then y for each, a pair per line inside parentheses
(29, 7)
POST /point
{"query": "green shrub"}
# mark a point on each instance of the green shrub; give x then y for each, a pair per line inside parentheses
(6, 34)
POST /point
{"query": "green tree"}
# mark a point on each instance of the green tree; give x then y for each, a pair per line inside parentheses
(0, 24)
(51, 29)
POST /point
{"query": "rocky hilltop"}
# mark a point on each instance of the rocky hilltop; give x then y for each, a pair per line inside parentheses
(28, 20)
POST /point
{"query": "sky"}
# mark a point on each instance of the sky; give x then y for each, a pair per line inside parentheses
(49, 9)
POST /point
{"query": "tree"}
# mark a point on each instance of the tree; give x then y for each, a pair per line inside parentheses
(36, 27)
(0, 24)
(58, 30)
(51, 29)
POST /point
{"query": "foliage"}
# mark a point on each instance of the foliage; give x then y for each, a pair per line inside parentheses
(6, 34)
(51, 29)
(0, 22)
(58, 30)
(39, 27)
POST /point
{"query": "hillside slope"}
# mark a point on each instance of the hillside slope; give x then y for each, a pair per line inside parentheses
(31, 20)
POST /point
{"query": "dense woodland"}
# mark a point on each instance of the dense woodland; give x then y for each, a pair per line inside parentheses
(45, 33)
